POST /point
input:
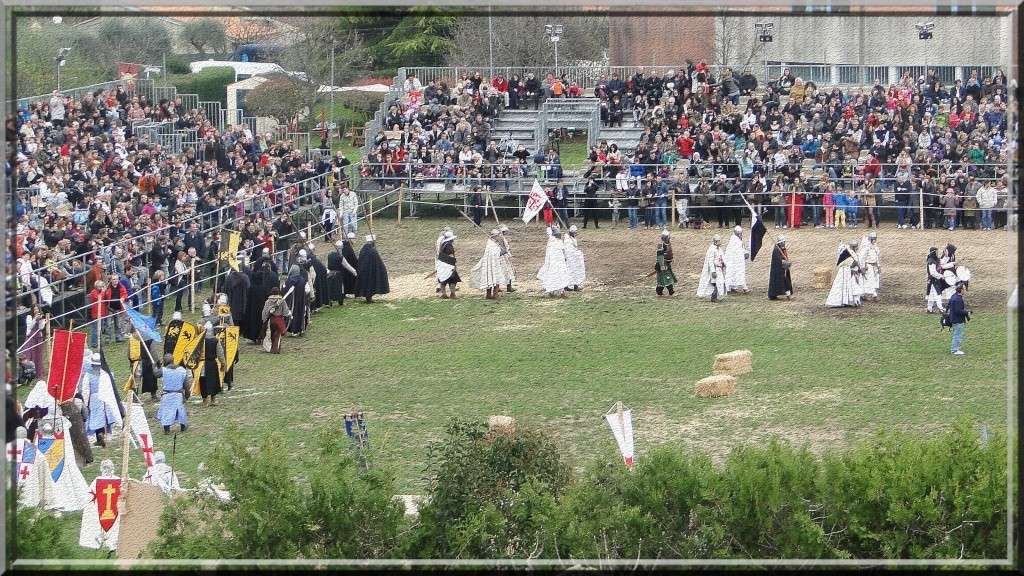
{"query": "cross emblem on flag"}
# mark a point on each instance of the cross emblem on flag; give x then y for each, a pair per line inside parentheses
(147, 449)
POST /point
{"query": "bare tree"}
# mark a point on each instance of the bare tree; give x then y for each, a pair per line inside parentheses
(521, 41)
(730, 50)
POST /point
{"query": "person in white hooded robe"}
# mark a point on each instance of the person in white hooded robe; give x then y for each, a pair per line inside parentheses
(35, 483)
(712, 274)
(92, 533)
(489, 274)
(70, 488)
(870, 259)
(554, 274)
(846, 285)
(574, 259)
(162, 475)
(736, 256)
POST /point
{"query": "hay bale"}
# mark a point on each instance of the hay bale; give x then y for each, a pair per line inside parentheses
(715, 386)
(734, 363)
(505, 424)
(822, 278)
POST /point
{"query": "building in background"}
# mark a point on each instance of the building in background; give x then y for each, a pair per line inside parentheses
(829, 47)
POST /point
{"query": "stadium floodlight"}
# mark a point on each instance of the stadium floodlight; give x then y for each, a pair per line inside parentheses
(924, 30)
(60, 59)
(764, 32)
(554, 32)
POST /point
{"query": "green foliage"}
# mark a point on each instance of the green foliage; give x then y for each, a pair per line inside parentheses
(413, 36)
(204, 34)
(910, 497)
(136, 40)
(488, 493)
(177, 65)
(39, 535)
(38, 42)
(335, 511)
(210, 83)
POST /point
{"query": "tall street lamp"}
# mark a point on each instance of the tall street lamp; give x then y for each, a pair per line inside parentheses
(60, 60)
(554, 32)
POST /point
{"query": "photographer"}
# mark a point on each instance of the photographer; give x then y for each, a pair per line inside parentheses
(959, 315)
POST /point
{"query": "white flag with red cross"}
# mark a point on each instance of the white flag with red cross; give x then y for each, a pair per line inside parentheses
(535, 203)
(141, 436)
(620, 420)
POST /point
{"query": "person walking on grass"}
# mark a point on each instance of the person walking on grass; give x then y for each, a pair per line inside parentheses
(958, 318)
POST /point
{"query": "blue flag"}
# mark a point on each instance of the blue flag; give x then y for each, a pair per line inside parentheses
(146, 325)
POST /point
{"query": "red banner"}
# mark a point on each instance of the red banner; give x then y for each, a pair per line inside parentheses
(107, 492)
(65, 364)
(129, 72)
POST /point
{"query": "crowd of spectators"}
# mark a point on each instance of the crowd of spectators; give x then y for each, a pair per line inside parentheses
(793, 146)
(102, 211)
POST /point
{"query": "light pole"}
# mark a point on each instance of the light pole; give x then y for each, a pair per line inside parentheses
(554, 32)
(60, 60)
(490, 41)
(331, 121)
(765, 37)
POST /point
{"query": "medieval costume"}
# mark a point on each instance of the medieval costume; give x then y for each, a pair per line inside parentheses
(335, 290)
(237, 287)
(72, 409)
(161, 475)
(736, 263)
(780, 282)
(554, 274)
(350, 274)
(872, 269)
(952, 272)
(212, 359)
(264, 280)
(70, 489)
(506, 258)
(98, 392)
(32, 471)
(444, 266)
(574, 261)
(275, 315)
(846, 286)
(447, 230)
(146, 371)
(298, 300)
(488, 273)
(712, 274)
(663, 266)
(936, 284)
(177, 381)
(101, 518)
(373, 275)
(320, 281)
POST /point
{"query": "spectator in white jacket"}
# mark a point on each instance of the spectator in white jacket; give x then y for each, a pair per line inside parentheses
(986, 197)
(57, 109)
(348, 205)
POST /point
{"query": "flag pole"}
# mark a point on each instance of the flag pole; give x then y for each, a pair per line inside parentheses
(192, 286)
(64, 371)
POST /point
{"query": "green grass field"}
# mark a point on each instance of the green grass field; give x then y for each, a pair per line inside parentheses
(822, 378)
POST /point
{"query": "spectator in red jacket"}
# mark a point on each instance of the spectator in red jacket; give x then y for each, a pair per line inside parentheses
(873, 167)
(98, 314)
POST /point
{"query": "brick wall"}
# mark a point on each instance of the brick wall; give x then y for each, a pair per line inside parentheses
(660, 40)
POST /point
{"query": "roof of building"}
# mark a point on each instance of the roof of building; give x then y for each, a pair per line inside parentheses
(250, 68)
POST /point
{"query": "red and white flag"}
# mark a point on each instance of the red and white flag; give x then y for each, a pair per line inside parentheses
(621, 423)
(535, 203)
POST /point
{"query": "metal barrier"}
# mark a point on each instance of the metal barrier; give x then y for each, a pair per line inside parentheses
(161, 93)
(75, 93)
(211, 109)
(250, 123)
(189, 101)
(171, 142)
(230, 117)
(588, 76)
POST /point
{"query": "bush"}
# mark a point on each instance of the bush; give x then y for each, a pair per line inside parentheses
(364, 102)
(335, 510)
(210, 84)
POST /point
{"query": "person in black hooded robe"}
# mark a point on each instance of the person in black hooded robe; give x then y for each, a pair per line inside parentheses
(336, 275)
(264, 279)
(350, 273)
(373, 275)
(321, 291)
(297, 300)
(237, 286)
(780, 283)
